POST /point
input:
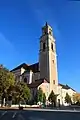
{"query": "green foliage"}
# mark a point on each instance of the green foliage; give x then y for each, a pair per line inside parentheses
(40, 95)
(6, 80)
(21, 92)
(18, 91)
(52, 97)
(44, 98)
(76, 97)
(67, 98)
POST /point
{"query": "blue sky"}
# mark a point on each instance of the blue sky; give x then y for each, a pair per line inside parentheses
(20, 29)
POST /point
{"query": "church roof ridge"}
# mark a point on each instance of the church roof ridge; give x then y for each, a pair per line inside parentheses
(24, 65)
(65, 86)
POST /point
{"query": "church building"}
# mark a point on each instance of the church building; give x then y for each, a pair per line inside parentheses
(44, 74)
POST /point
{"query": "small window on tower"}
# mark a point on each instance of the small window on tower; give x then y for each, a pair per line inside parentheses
(53, 61)
(51, 46)
(50, 32)
(45, 32)
(44, 46)
(53, 81)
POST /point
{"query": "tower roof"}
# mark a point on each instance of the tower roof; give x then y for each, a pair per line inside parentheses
(46, 24)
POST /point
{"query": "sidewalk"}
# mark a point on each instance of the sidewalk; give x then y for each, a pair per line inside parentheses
(9, 108)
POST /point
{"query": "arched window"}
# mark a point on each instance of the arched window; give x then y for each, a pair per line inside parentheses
(53, 81)
(25, 80)
(53, 61)
(44, 46)
(51, 46)
(45, 31)
(50, 32)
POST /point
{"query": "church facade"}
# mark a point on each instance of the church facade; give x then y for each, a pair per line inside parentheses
(44, 74)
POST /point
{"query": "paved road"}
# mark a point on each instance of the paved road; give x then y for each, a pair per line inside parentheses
(39, 115)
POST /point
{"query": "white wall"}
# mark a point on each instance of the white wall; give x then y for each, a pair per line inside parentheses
(46, 89)
(62, 93)
(22, 70)
(28, 75)
(31, 75)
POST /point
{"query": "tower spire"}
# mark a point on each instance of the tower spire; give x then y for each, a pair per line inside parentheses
(46, 24)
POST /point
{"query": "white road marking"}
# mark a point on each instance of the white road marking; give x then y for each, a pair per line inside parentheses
(14, 115)
(3, 114)
(35, 118)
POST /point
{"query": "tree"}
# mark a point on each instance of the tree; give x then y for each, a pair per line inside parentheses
(44, 98)
(76, 98)
(68, 98)
(21, 92)
(52, 98)
(40, 95)
(7, 79)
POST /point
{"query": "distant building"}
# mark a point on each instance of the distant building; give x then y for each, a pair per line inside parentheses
(62, 90)
(44, 73)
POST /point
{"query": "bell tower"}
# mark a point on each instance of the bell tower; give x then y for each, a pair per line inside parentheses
(47, 57)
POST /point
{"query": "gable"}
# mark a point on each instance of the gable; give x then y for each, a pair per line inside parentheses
(37, 83)
(24, 65)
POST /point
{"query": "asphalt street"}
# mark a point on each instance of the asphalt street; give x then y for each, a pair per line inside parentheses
(36, 114)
